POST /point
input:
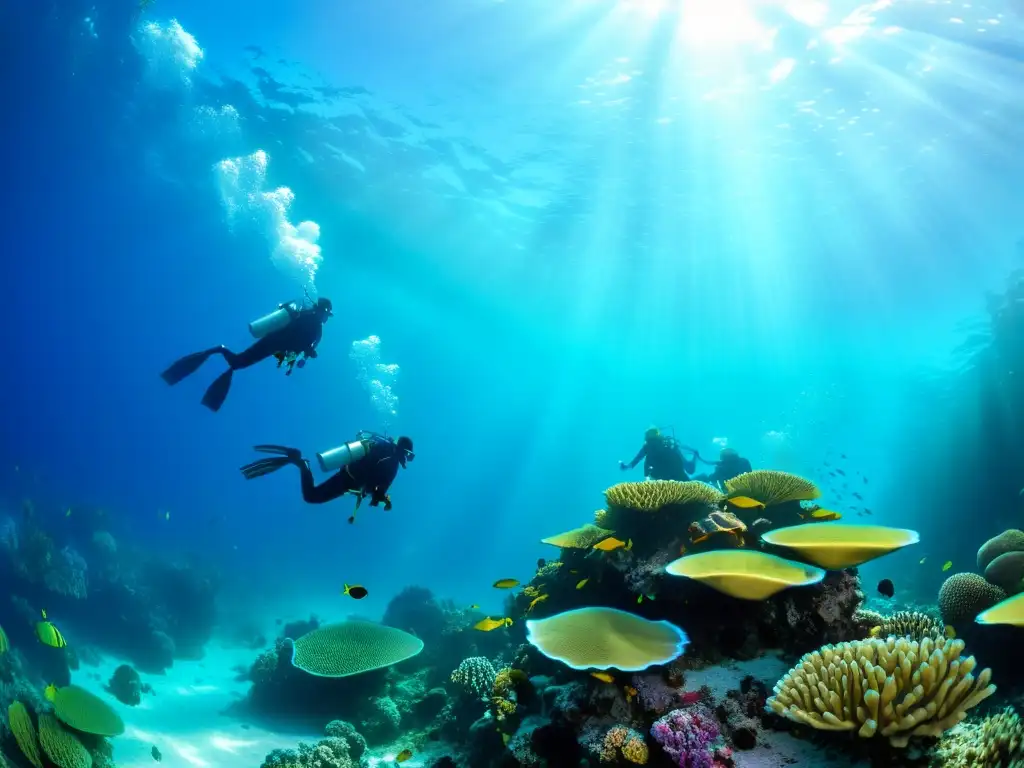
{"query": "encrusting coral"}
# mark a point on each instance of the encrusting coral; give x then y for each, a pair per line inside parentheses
(896, 688)
(964, 595)
(995, 742)
(625, 741)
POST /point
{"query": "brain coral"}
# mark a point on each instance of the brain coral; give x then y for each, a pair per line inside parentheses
(1007, 571)
(86, 712)
(24, 733)
(651, 496)
(896, 688)
(770, 487)
(1010, 540)
(352, 647)
(62, 746)
(964, 595)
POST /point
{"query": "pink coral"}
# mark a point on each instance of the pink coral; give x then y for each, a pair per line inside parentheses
(689, 737)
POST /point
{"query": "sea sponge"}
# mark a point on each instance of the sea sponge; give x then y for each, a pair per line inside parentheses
(351, 647)
(606, 638)
(583, 537)
(896, 687)
(650, 496)
(840, 545)
(627, 741)
(62, 746)
(475, 675)
(744, 573)
(86, 712)
(995, 742)
(1007, 572)
(1010, 540)
(771, 487)
(20, 723)
(912, 624)
(964, 595)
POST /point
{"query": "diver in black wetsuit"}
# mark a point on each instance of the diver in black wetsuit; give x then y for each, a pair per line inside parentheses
(662, 457)
(729, 465)
(370, 475)
(300, 337)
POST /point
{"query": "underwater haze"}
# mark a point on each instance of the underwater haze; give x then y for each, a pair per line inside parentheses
(544, 227)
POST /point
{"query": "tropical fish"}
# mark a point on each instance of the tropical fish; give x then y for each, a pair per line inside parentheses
(640, 599)
(604, 677)
(760, 521)
(506, 583)
(355, 591)
(474, 607)
(538, 599)
(48, 634)
(582, 583)
(949, 631)
(875, 631)
(885, 587)
(630, 692)
(167, 515)
(611, 543)
(50, 693)
(5, 644)
(156, 754)
(404, 755)
(486, 625)
(745, 502)
(68, 513)
(947, 565)
(504, 738)
(921, 561)
(821, 514)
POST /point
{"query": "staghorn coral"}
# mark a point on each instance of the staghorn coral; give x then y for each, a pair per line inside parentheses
(770, 487)
(964, 595)
(625, 741)
(475, 675)
(912, 624)
(995, 742)
(651, 496)
(896, 688)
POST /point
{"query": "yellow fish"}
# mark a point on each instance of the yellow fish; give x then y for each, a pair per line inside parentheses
(947, 565)
(536, 600)
(630, 692)
(486, 625)
(949, 631)
(604, 677)
(582, 583)
(474, 607)
(48, 634)
(921, 562)
(506, 583)
(745, 502)
(822, 514)
(875, 631)
(404, 755)
(611, 543)
(50, 693)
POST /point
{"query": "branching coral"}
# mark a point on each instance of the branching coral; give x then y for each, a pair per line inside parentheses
(625, 741)
(688, 736)
(995, 742)
(475, 676)
(897, 688)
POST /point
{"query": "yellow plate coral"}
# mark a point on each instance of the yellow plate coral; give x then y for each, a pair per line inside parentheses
(841, 545)
(743, 573)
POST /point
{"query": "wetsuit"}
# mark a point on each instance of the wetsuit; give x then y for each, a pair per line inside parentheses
(727, 469)
(371, 475)
(663, 460)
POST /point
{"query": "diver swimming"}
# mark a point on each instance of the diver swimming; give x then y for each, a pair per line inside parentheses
(663, 458)
(290, 334)
(365, 467)
(729, 465)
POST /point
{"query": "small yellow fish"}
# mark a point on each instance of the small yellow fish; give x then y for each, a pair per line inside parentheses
(486, 625)
(875, 631)
(949, 631)
(582, 583)
(611, 543)
(822, 514)
(474, 607)
(506, 583)
(539, 599)
(947, 565)
(921, 561)
(630, 692)
(50, 692)
(745, 502)
(639, 599)
(48, 634)
(404, 755)
(604, 677)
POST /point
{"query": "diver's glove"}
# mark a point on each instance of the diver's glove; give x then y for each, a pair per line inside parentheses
(623, 465)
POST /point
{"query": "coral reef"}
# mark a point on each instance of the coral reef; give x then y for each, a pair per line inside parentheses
(995, 742)
(475, 676)
(964, 595)
(691, 737)
(912, 624)
(896, 688)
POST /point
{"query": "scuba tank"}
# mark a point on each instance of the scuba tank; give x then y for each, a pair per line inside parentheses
(274, 321)
(343, 455)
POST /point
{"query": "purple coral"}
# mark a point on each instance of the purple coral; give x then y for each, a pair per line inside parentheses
(687, 736)
(654, 694)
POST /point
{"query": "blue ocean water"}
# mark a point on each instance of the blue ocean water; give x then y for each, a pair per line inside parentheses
(757, 224)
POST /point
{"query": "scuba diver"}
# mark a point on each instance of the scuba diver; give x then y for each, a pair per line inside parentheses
(729, 465)
(366, 467)
(663, 458)
(286, 334)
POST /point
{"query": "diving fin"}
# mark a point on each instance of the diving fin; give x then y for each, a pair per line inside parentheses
(264, 467)
(217, 392)
(186, 366)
